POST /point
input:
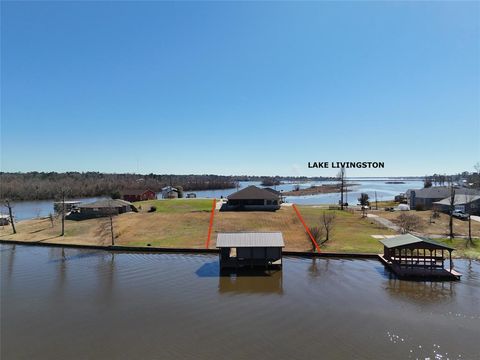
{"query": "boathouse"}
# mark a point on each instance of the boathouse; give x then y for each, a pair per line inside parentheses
(410, 256)
(250, 249)
(254, 198)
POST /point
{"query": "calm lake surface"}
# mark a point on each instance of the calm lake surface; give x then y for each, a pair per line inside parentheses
(83, 304)
(41, 208)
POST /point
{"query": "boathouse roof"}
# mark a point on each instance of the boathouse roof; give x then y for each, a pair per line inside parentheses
(409, 239)
(253, 192)
(250, 239)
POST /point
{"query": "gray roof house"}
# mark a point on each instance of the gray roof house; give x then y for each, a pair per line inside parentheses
(467, 203)
(101, 208)
(253, 198)
(424, 198)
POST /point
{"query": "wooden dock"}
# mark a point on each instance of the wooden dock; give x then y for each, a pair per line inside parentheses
(420, 272)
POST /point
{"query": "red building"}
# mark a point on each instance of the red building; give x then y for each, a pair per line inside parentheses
(139, 195)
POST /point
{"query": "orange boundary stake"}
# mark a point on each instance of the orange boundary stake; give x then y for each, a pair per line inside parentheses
(212, 214)
(306, 227)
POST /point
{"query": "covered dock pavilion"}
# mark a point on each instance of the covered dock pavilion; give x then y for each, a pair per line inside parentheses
(250, 249)
(410, 256)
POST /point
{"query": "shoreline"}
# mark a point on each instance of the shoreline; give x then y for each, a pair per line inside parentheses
(316, 189)
(173, 250)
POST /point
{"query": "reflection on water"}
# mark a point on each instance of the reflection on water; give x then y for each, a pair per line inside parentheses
(251, 282)
(68, 303)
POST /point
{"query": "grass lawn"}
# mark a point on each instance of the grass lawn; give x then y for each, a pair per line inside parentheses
(176, 205)
(351, 233)
(438, 226)
(471, 252)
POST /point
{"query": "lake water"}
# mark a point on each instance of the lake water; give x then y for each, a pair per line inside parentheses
(83, 304)
(40, 208)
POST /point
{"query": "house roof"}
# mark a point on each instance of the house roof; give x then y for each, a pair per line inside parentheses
(409, 239)
(460, 199)
(250, 239)
(106, 203)
(169, 188)
(440, 192)
(135, 191)
(273, 191)
(253, 192)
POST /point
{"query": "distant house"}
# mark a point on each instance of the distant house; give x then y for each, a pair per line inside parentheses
(139, 195)
(169, 192)
(191, 195)
(4, 220)
(101, 208)
(254, 198)
(469, 204)
(424, 198)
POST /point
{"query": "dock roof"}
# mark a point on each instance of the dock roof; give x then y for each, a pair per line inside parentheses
(250, 239)
(409, 239)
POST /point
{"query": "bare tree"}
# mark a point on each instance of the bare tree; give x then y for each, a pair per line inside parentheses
(408, 222)
(50, 217)
(452, 209)
(10, 214)
(317, 234)
(328, 221)
(342, 182)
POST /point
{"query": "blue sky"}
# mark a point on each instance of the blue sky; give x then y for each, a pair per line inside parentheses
(240, 88)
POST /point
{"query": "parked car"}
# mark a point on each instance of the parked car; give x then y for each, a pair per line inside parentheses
(460, 215)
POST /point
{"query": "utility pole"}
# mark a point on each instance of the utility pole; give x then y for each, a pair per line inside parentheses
(376, 202)
(63, 212)
(10, 214)
(111, 229)
(452, 208)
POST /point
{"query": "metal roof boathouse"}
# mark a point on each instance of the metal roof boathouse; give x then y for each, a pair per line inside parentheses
(410, 256)
(250, 249)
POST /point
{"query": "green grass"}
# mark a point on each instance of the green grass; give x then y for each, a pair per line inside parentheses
(350, 234)
(172, 206)
(461, 249)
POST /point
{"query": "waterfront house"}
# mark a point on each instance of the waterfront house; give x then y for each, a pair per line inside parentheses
(4, 220)
(69, 206)
(469, 204)
(169, 192)
(423, 199)
(101, 208)
(133, 195)
(253, 198)
(410, 256)
(250, 249)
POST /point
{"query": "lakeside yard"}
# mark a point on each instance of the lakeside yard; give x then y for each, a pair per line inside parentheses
(183, 223)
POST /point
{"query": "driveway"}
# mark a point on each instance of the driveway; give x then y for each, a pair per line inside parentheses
(383, 222)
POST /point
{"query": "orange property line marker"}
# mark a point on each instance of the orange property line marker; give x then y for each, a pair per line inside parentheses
(306, 227)
(212, 214)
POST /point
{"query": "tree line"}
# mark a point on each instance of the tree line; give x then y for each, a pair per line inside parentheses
(48, 185)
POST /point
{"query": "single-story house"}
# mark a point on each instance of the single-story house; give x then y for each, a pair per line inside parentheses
(469, 204)
(424, 198)
(254, 198)
(191, 195)
(169, 192)
(132, 195)
(4, 220)
(101, 208)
